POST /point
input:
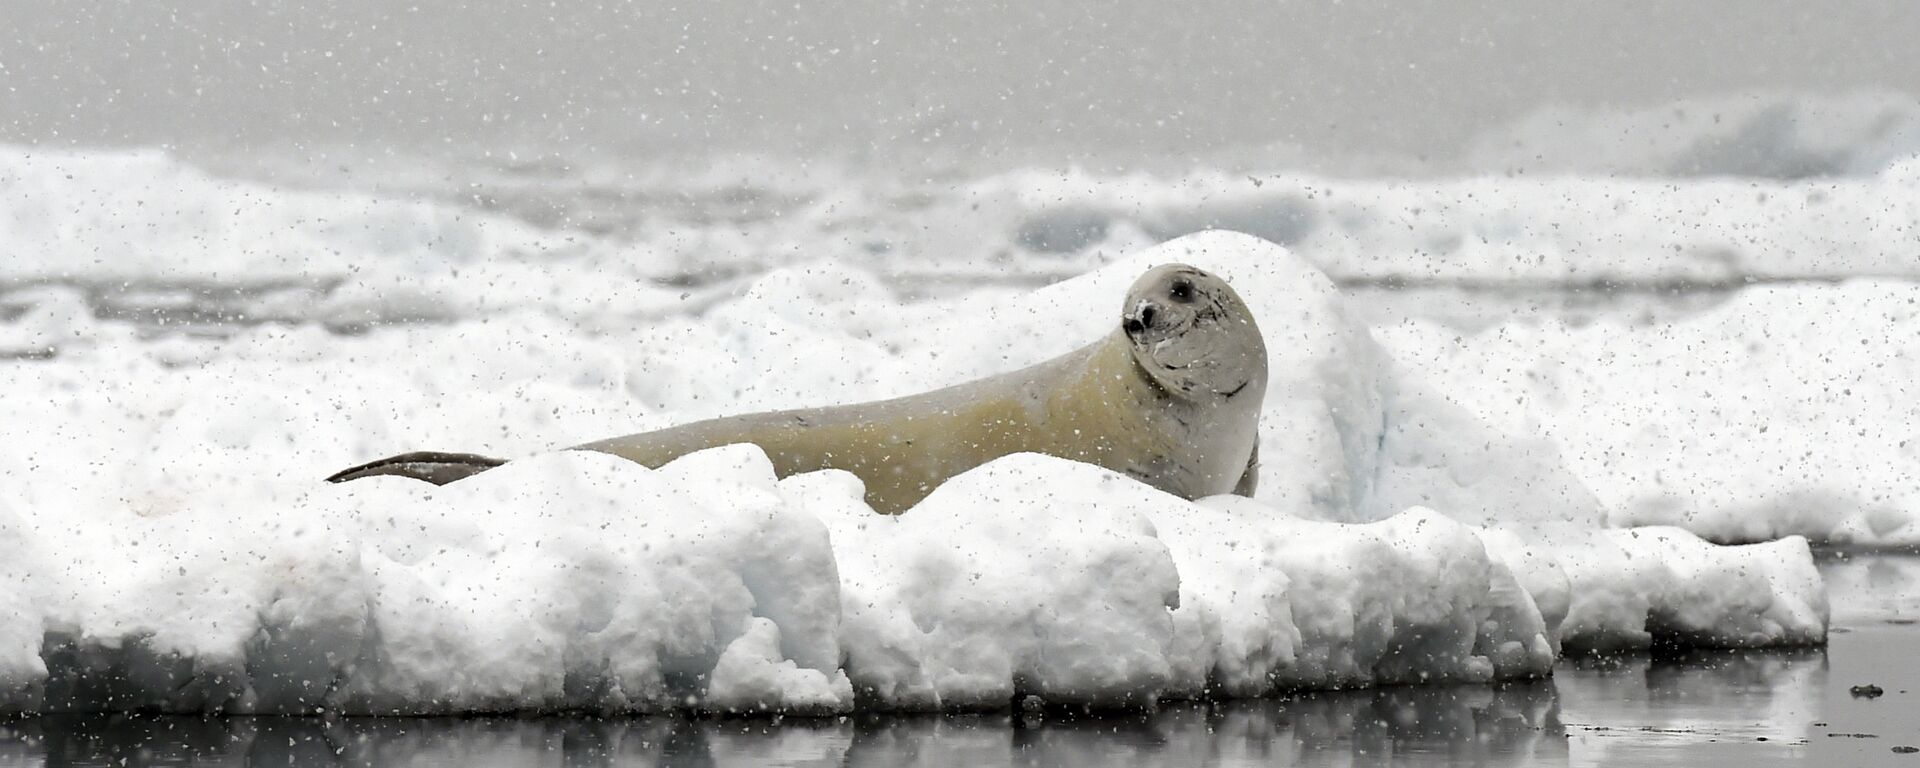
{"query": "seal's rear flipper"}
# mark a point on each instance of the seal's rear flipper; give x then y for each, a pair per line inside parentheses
(432, 466)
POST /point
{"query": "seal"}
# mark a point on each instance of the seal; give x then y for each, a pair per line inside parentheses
(1170, 397)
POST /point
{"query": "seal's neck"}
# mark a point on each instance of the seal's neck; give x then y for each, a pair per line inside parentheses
(1116, 372)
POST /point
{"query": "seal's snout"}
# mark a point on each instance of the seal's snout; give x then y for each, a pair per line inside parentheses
(1141, 318)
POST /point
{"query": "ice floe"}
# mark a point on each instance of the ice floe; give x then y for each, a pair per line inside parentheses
(174, 549)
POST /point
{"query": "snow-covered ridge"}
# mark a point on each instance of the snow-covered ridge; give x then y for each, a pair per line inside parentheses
(175, 549)
(101, 220)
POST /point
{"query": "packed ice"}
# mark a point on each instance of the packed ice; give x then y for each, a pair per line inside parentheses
(1434, 504)
(1790, 410)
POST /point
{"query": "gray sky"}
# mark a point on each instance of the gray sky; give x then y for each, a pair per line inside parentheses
(1406, 77)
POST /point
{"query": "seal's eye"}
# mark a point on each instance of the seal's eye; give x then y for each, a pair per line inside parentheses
(1181, 291)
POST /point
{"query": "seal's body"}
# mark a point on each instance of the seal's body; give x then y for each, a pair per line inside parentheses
(1171, 398)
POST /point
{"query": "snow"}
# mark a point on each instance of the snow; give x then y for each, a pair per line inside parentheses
(171, 545)
(1631, 587)
(101, 219)
(1790, 410)
(398, 598)
(1032, 575)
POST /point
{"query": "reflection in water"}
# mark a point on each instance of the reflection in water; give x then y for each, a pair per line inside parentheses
(1867, 587)
(1515, 724)
(1503, 725)
(1743, 704)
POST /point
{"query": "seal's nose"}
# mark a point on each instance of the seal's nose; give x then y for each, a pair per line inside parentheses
(1141, 318)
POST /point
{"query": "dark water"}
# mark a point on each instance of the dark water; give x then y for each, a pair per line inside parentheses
(1718, 708)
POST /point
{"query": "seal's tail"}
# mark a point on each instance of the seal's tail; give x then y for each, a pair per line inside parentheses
(432, 466)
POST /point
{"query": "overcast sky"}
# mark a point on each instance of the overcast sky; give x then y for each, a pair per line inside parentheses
(1405, 77)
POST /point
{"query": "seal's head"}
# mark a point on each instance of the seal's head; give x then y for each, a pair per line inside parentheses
(1193, 336)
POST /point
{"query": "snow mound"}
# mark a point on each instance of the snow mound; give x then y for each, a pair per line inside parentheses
(1030, 574)
(566, 581)
(1787, 411)
(1630, 588)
